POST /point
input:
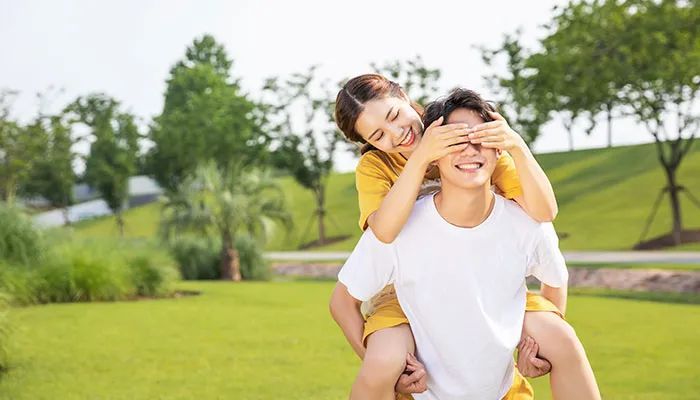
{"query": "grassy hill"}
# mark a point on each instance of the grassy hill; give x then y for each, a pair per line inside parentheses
(605, 197)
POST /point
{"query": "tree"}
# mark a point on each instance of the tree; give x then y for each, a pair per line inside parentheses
(660, 48)
(225, 202)
(304, 145)
(523, 99)
(113, 152)
(19, 150)
(205, 117)
(579, 64)
(53, 177)
(641, 55)
(417, 80)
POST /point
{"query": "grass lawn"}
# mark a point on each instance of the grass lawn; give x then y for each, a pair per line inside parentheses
(277, 341)
(605, 196)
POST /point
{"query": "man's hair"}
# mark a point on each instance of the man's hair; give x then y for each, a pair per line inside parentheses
(458, 98)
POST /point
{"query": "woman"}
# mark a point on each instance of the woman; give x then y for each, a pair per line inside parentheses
(396, 161)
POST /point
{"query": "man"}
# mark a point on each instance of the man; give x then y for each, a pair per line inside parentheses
(459, 272)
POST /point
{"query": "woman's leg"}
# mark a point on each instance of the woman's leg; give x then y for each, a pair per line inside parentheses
(571, 377)
(384, 362)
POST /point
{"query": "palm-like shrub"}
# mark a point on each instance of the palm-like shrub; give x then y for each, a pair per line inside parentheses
(226, 203)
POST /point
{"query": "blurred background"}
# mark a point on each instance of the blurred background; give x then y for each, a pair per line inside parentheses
(175, 199)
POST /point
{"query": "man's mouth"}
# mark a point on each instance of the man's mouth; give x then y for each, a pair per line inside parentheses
(470, 167)
(408, 139)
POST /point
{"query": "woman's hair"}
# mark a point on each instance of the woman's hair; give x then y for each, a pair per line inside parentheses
(351, 100)
(458, 98)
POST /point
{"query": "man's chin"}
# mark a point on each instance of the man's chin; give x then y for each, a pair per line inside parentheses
(467, 182)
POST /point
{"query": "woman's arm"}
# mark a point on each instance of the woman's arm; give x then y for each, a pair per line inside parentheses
(345, 310)
(392, 214)
(538, 198)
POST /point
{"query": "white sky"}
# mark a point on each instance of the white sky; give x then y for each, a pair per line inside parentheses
(126, 48)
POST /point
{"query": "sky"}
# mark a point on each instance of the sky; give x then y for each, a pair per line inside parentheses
(126, 48)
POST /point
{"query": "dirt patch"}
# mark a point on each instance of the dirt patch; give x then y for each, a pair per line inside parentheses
(666, 241)
(650, 280)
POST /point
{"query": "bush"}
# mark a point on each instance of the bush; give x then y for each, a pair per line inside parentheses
(152, 276)
(91, 271)
(19, 283)
(4, 331)
(200, 258)
(20, 240)
(253, 264)
(196, 258)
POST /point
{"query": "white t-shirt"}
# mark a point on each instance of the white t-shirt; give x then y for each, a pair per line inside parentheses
(462, 289)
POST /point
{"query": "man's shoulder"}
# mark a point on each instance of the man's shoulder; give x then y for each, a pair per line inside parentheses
(516, 217)
(420, 217)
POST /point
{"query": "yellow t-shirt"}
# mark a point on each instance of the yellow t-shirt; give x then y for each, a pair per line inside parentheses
(377, 171)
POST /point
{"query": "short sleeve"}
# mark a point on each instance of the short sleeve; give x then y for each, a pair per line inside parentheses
(505, 177)
(372, 184)
(369, 268)
(545, 261)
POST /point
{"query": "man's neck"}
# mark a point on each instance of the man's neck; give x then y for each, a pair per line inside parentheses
(466, 208)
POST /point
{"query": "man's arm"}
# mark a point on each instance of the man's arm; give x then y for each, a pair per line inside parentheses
(547, 264)
(557, 295)
(345, 310)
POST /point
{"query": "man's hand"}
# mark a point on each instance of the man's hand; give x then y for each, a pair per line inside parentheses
(414, 379)
(528, 364)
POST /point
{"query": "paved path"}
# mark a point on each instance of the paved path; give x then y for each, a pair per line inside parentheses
(593, 257)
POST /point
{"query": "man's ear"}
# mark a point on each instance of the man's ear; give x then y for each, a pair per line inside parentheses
(498, 153)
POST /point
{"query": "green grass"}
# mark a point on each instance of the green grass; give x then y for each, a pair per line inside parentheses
(605, 196)
(277, 341)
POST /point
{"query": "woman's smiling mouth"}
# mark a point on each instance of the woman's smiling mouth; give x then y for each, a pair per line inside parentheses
(409, 139)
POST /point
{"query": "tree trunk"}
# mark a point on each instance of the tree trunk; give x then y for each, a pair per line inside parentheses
(673, 191)
(571, 139)
(609, 128)
(321, 212)
(66, 217)
(230, 261)
(10, 192)
(120, 223)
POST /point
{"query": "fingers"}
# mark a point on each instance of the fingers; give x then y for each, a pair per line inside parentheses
(496, 116)
(437, 122)
(522, 344)
(416, 376)
(540, 363)
(434, 127)
(494, 145)
(420, 387)
(493, 132)
(486, 125)
(527, 354)
(445, 129)
(456, 139)
(455, 148)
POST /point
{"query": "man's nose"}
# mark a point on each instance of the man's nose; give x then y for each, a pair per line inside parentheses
(471, 149)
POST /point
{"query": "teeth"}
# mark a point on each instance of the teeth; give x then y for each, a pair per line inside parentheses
(408, 137)
(469, 166)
